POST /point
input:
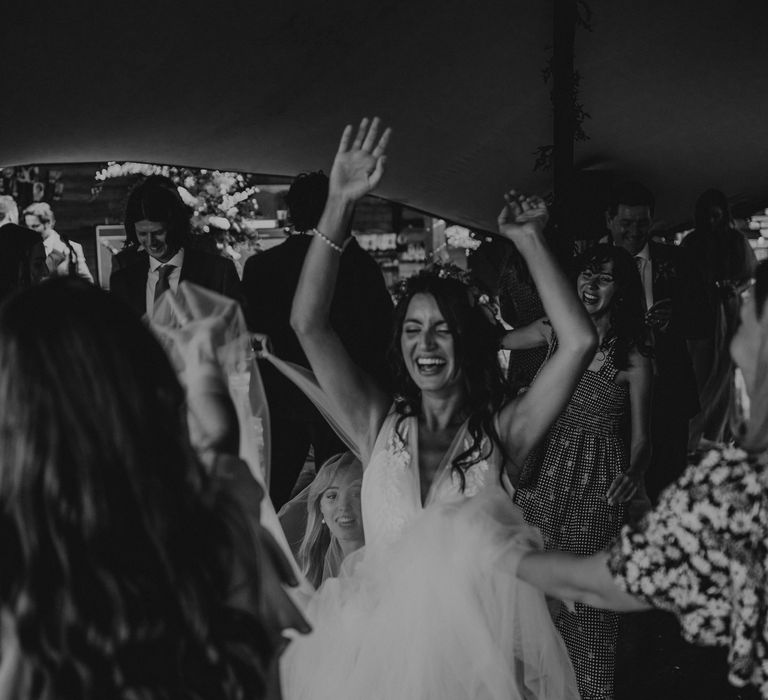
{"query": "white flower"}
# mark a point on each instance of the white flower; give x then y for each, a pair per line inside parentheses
(701, 564)
(734, 454)
(186, 196)
(219, 222)
(710, 459)
(460, 237)
(719, 475)
(688, 542)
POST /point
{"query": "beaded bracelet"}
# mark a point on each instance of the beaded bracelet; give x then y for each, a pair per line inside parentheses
(334, 246)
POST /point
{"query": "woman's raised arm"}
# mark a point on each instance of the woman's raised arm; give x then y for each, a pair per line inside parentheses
(534, 335)
(354, 396)
(526, 419)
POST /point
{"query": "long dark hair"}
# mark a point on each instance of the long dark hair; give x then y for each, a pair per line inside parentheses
(626, 315)
(157, 199)
(475, 342)
(117, 553)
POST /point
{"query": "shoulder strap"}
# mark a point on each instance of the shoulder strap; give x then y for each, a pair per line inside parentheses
(608, 368)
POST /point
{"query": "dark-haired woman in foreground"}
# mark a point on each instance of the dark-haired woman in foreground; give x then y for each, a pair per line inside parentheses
(575, 486)
(430, 610)
(702, 553)
(128, 569)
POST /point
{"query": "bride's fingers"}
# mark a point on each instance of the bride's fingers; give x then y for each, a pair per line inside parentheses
(345, 137)
(375, 177)
(370, 137)
(381, 146)
(358, 142)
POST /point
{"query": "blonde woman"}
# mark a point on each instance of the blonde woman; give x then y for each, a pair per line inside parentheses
(334, 521)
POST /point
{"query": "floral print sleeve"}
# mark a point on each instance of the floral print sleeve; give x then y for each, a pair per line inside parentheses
(702, 554)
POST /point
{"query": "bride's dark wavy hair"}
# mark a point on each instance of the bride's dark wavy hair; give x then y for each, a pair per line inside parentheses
(476, 344)
(116, 553)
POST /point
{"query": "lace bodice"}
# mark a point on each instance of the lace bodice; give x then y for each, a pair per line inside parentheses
(391, 492)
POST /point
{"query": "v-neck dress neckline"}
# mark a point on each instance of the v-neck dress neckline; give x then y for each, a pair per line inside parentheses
(444, 466)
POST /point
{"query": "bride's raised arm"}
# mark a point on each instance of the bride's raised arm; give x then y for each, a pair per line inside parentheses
(354, 396)
(526, 419)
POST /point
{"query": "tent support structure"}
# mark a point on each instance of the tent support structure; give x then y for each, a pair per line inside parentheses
(563, 122)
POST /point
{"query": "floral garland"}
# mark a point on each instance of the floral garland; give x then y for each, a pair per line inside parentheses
(223, 203)
(450, 271)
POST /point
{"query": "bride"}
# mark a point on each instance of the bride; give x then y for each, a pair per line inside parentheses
(431, 607)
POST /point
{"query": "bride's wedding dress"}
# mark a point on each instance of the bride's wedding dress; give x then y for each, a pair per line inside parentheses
(430, 608)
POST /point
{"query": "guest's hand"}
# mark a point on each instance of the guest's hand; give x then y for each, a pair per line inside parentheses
(522, 217)
(261, 344)
(659, 315)
(624, 487)
(359, 164)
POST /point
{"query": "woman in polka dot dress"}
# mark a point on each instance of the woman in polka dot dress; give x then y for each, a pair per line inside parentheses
(575, 486)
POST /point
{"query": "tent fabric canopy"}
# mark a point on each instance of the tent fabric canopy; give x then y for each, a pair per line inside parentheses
(676, 92)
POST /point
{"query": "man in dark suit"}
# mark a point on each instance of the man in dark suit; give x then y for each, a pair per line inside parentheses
(677, 310)
(361, 313)
(18, 247)
(157, 228)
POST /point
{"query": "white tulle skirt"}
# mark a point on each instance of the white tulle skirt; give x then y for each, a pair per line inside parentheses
(436, 615)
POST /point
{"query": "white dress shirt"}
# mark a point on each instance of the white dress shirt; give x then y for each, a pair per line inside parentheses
(645, 268)
(173, 279)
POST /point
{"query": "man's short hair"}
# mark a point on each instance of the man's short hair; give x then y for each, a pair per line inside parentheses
(43, 211)
(9, 207)
(631, 194)
(306, 199)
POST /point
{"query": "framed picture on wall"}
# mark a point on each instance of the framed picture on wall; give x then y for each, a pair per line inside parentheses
(109, 242)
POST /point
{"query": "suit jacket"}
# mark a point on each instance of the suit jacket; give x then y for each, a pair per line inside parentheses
(210, 271)
(16, 257)
(674, 277)
(361, 313)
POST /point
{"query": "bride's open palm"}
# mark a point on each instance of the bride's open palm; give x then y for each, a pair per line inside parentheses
(359, 164)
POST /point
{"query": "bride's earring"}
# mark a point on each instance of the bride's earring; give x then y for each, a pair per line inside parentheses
(322, 521)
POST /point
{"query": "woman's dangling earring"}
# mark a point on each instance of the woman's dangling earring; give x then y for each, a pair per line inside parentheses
(322, 521)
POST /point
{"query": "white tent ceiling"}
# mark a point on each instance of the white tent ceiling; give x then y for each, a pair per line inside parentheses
(677, 91)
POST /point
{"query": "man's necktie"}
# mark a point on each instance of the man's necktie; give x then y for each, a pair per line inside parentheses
(163, 283)
(640, 262)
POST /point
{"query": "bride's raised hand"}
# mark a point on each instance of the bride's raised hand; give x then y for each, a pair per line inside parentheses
(522, 216)
(359, 163)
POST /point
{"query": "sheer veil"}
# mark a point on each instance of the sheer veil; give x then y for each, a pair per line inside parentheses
(195, 325)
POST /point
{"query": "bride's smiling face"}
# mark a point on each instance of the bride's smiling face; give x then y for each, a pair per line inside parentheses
(427, 344)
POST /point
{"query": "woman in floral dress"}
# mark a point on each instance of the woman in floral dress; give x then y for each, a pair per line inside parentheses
(575, 486)
(702, 553)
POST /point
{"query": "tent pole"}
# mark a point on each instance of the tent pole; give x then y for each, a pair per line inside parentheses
(563, 123)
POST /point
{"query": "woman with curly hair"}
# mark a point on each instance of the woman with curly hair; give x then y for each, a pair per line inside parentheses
(428, 609)
(129, 570)
(575, 486)
(701, 553)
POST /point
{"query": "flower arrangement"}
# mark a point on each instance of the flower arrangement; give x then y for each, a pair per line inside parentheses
(460, 237)
(223, 203)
